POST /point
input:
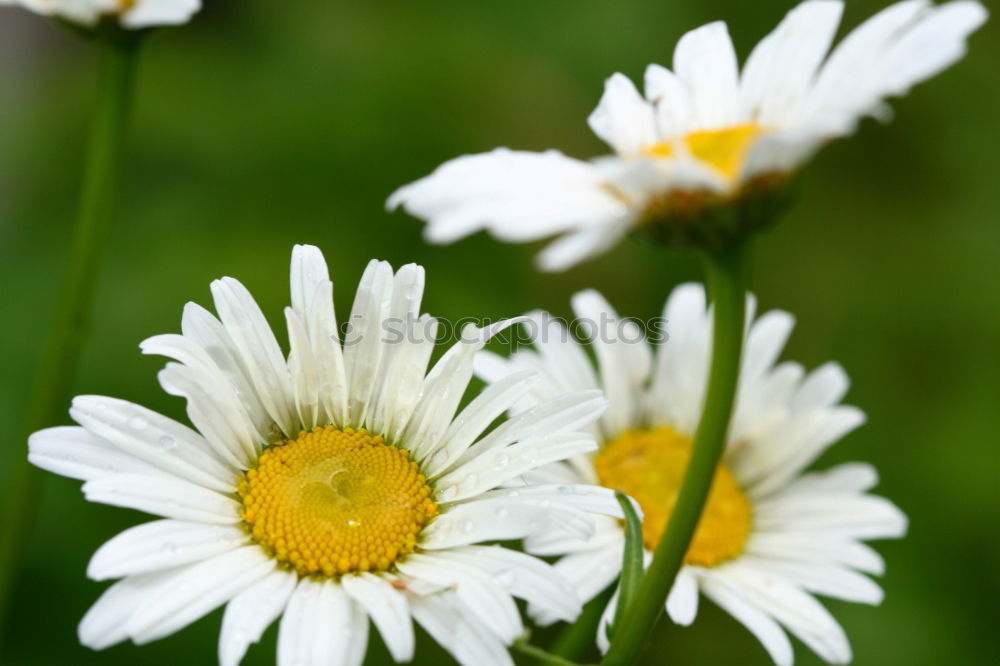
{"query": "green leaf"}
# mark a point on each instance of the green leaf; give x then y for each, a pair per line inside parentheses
(632, 569)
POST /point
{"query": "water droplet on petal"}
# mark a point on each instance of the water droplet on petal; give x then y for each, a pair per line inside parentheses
(167, 443)
(502, 512)
(469, 483)
(502, 460)
(138, 423)
(447, 493)
(468, 526)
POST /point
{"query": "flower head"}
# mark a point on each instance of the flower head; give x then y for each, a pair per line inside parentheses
(770, 535)
(708, 146)
(337, 485)
(131, 14)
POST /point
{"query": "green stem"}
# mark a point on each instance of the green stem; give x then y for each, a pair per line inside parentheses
(576, 639)
(49, 399)
(727, 281)
(540, 655)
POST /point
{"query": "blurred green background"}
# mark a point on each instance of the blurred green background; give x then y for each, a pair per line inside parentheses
(263, 124)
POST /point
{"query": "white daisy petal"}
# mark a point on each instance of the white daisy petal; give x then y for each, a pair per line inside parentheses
(501, 519)
(706, 62)
(515, 195)
(623, 356)
(836, 84)
(137, 15)
(258, 349)
(930, 41)
(585, 497)
(312, 300)
(468, 641)
(315, 627)
(603, 642)
(357, 645)
(251, 612)
(72, 451)
(104, 624)
(154, 439)
(364, 344)
(812, 547)
(828, 580)
(477, 592)
(846, 478)
(682, 602)
(764, 343)
(526, 577)
(303, 370)
(856, 517)
(161, 544)
(672, 100)
(579, 246)
(799, 612)
(405, 354)
(196, 591)
(148, 13)
(568, 412)
(591, 572)
(780, 70)
(623, 119)
(607, 534)
(167, 497)
(443, 389)
(214, 404)
(206, 331)
(387, 608)
(485, 472)
(477, 417)
(213, 420)
(759, 623)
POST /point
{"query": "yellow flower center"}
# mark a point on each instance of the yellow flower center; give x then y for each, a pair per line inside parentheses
(649, 465)
(724, 149)
(336, 501)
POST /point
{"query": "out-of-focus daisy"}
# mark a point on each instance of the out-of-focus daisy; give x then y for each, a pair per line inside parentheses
(329, 488)
(704, 136)
(770, 535)
(132, 14)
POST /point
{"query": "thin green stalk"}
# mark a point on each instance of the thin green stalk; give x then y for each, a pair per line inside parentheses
(578, 638)
(727, 281)
(540, 655)
(49, 399)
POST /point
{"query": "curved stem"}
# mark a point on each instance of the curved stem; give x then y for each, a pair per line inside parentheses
(48, 401)
(726, 272)
(541, 656)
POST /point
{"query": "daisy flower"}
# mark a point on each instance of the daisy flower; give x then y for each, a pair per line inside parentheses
(338, 485)
(132, 14)
(770, 535)
(705, 136)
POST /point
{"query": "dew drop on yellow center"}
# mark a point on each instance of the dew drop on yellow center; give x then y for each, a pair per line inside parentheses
(336, 501)
(649, 465)
(725, 148)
